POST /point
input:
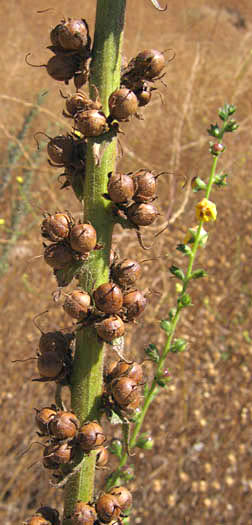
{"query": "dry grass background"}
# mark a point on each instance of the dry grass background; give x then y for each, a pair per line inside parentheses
(199, 471)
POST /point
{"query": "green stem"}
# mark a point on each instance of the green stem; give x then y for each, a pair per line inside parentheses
(86, 380)
(154, 386)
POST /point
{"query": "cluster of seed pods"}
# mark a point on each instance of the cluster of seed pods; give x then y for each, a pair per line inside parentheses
(65, 437)
(70, 242)
(71, 46)
(112, 304)
(54, 357)
(109, 507)
(133, 194)
(123, 383)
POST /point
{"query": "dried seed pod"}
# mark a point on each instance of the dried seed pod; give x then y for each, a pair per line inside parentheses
(142, 214)
(50, 514)
(50, 364)
(53, 341)
(64, 425)
(54, 35)
(83, 514)
(43, 418)
(92, 123)
(62, 67)
(90, 436)
(73, 35)
(108, 298)
(120, 187)
(83, 238)
(77, 304)
(122, 104)
(148, 64)
(124, 390)
(56, 455)
(60, 149)
(121, 368)
(58, 256)
(102, 456)
(145, 184)
(107, 508)
(123, 496)
(143, 94)
(110, 328)
(126, 272)
(81, 102)
(133, 405)
(134, 303)
(56, 227)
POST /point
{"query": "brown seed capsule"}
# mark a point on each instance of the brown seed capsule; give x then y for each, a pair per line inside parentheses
(145, 184)
(134, 303)
(124, 390)
(133, 406)
(77, 304)
(149, 64)
(120, 187)
(107, 508)
(83, 238)
(92, 123)
(90, 436)
(53, 341)
(43, 418)
(50, 514)
(56, 227)
(81, 102)
(64, 425)
(84, 514)
(50, 364)
(123, 497)
(108, 298)
(110, 328)
(143, 94)
(102, 456)
(54, 35)
(62, 67)
(61, 149)
(126, 272)
(142, 214)
(73, 35)
(58, 256)
(122, 104)
(133, 370)
(56, 455)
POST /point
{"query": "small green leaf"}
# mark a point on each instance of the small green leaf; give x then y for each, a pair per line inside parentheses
(214, 130)
(220, 179)
(197, 274)
(177, 272)
(179, 345)
(145, 441)
(184, 300)
(166, 326)
(184, 248)
(152, 352)
(116, 447)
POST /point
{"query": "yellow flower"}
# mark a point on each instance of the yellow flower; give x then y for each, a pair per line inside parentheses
(2, 222)
(206, 211)
(20, 180)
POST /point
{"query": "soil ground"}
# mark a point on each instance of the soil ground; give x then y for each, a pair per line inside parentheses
(200, 468)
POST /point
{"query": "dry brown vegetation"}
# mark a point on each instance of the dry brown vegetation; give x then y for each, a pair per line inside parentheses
(199, 471)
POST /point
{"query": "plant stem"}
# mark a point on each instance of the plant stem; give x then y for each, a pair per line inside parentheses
(154, 385)
(86, 380)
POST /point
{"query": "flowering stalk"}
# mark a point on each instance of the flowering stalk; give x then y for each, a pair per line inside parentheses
(205, 211)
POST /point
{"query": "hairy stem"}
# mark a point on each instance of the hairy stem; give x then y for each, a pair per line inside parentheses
(86, 381)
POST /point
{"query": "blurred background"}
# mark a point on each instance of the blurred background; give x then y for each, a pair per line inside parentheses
(200, 468)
